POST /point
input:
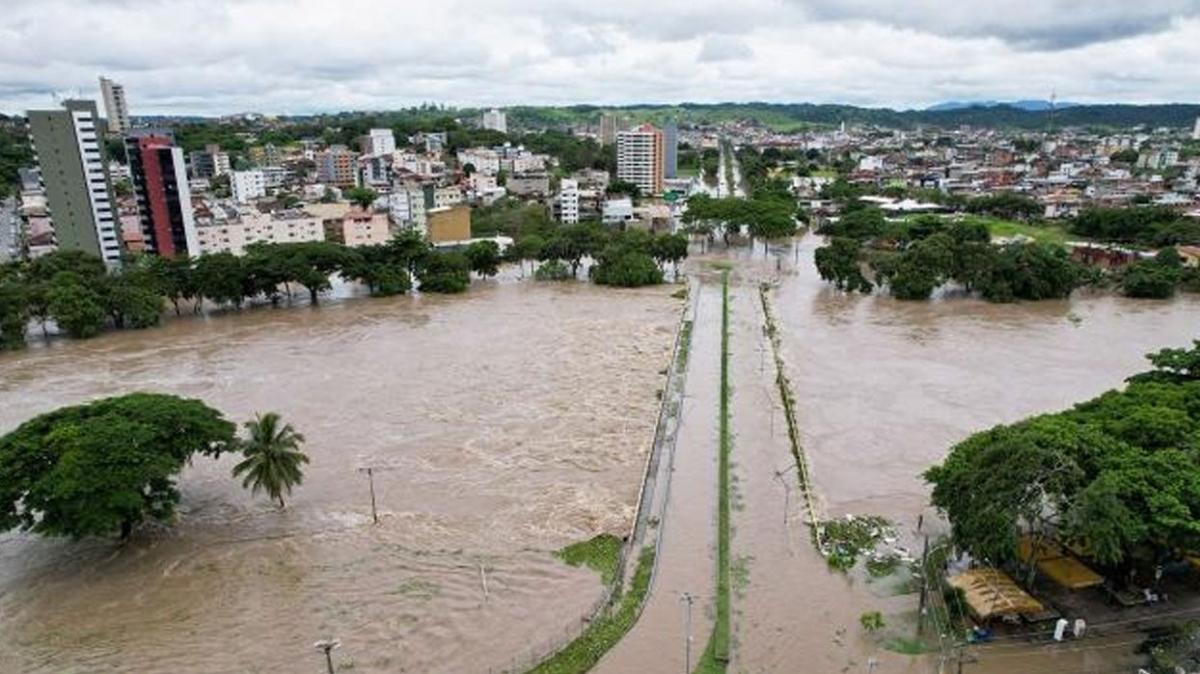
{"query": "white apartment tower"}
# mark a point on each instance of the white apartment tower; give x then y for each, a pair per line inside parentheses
(495, 120)
(568, 201)
(379, 142)
(1196, 131)
(248, 185)
(114, 106)
(640, 158)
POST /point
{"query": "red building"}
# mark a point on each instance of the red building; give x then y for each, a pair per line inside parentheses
(164, 200)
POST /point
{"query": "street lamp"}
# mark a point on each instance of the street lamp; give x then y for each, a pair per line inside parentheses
(328, 645)
(687, 598)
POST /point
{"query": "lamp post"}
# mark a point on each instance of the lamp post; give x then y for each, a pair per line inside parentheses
(687, 598)
(328, 646)
(371, 481)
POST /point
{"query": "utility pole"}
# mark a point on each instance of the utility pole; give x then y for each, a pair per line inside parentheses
(924, 587)
(687, 598)
(371, 481)
(328, 645)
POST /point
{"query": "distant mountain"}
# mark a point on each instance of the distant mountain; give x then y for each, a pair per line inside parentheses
(1028, 105)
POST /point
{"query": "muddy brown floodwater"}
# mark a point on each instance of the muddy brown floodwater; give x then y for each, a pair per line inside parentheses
(504, 424)
(883, 389)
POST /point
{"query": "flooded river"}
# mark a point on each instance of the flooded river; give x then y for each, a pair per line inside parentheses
(503, 424)
(883, 389)
(515, 420)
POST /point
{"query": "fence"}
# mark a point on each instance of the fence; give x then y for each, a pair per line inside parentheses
(669, 408)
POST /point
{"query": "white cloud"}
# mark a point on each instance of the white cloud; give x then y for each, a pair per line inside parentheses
(214, 56)
(720, 48)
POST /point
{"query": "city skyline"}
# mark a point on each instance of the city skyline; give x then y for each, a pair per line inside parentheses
(212, 58)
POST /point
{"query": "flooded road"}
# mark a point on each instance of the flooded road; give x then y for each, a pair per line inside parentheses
(883, 389)
(503, 424)
(686, 561)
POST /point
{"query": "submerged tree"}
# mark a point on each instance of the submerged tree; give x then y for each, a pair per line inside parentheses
(1115, 475)
(105, 466)
(273, 457)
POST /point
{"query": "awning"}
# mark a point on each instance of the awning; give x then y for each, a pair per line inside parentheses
(990, 593)
(1058, 566)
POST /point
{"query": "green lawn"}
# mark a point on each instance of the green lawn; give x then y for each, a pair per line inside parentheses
(583, 653)
(1042, 233)
(602, 554)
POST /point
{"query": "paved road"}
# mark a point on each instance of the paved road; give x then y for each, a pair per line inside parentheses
(686, 555)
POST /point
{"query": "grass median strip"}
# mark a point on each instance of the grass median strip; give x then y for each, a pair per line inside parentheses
(583, 653)
(716, 654)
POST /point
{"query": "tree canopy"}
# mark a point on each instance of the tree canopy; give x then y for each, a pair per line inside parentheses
(103, 467)
(1113, 475)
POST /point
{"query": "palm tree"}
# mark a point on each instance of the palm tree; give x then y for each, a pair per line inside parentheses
(273, 457)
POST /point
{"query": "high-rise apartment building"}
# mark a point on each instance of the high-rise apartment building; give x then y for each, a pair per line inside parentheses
(1196, 131)
(568, 201)
(337, 166)
(670, 150)
(114, 106)
(495, 120)
(378, 142)
(164, 199)
(78, 191)
(608, 128)
(247, 186)
(640, 158)
(210, 163)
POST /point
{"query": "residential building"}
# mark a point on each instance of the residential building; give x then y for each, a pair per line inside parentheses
(452, 223)
(443, 196)
(529, 184)
(495, 120)
(274, 177)
(378, 142)
(247, 186)
(567, 204)
(434, 142)
(265, 155)
(337, 166)
(524, 162)
(359, 228)
(375, 170)
(592, 178)
(479, 183)
(164, 199)
(617, 211)
(114, 106)
(78, 191)
(1196, 130)
(210, 162)
(670, 150)
(250, 227)
(608, 128)
(406, 206)
(640, 158)
(483, 160)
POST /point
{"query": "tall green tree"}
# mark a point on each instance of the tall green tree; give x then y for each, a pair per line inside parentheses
(273, 460)
(75, 307)
(363, 197)
(103, 467)
(14, 314)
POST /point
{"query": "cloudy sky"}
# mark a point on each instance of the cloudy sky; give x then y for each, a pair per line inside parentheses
(299, 56)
